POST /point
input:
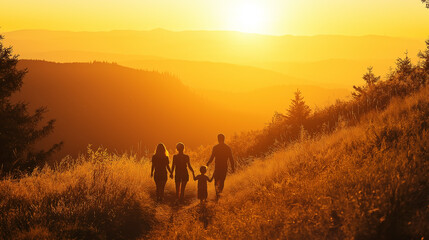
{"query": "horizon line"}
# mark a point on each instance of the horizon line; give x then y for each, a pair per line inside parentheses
(214, 30)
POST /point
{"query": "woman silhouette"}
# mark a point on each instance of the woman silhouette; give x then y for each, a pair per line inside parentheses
(181, 163)
(160, 164)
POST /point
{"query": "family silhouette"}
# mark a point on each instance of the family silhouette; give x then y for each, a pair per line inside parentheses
(221, 154)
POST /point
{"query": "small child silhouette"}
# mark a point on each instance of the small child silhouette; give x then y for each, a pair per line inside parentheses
(202, 183)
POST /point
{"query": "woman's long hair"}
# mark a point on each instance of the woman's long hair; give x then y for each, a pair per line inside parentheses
(161, 150)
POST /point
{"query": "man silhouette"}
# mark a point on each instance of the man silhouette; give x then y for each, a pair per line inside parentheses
(221, 153)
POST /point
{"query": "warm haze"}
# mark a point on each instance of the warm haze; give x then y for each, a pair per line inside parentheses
(239, 119)
(274, 17)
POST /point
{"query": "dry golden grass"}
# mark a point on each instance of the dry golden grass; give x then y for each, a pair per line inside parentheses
(98, 197)
(365, 182)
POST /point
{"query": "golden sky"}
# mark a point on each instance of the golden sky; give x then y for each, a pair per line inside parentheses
(406, 18)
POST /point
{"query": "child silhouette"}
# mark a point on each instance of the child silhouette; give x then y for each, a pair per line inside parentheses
(202, 183)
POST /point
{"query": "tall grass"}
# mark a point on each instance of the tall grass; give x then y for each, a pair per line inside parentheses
(99, 196)
(365, 182)
(369, 181)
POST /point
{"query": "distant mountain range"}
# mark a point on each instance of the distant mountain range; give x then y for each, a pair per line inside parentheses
(217, 46)
(227, 61)
(192, 84)
(123, 108)
(119, 107)
(218, 76)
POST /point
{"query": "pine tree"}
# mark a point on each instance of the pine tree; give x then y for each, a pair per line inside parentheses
(19, 130)
(370, 80)
(425, 57)
(404, 67)
(298, 111)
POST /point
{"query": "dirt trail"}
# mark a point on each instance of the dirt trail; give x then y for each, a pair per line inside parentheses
(170, 212)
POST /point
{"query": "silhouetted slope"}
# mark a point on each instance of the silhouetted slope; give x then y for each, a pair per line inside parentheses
(217, 76)
(118, 107)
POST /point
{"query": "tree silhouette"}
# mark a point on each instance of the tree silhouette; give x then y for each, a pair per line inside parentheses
(404, 67)
(298, 111)
(425, 57)
(19, 130)
(370, 80)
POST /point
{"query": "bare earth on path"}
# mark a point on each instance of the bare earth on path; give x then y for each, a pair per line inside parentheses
(170, 213)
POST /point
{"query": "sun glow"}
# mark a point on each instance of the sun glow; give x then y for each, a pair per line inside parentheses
(249, 17)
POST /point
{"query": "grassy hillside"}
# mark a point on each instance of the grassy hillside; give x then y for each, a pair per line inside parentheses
(369, 181)
(123, 108)
(363, 182)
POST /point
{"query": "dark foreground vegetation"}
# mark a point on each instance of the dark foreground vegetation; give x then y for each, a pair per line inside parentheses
(19, 128)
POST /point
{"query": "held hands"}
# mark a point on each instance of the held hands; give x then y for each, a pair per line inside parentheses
(171, 175)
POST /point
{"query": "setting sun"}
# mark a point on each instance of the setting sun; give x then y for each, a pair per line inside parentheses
(249, 17)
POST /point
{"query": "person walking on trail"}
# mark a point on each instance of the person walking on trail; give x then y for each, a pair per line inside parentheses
(181, 164)
(202, 183)
(221, 153)
(160, 165)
